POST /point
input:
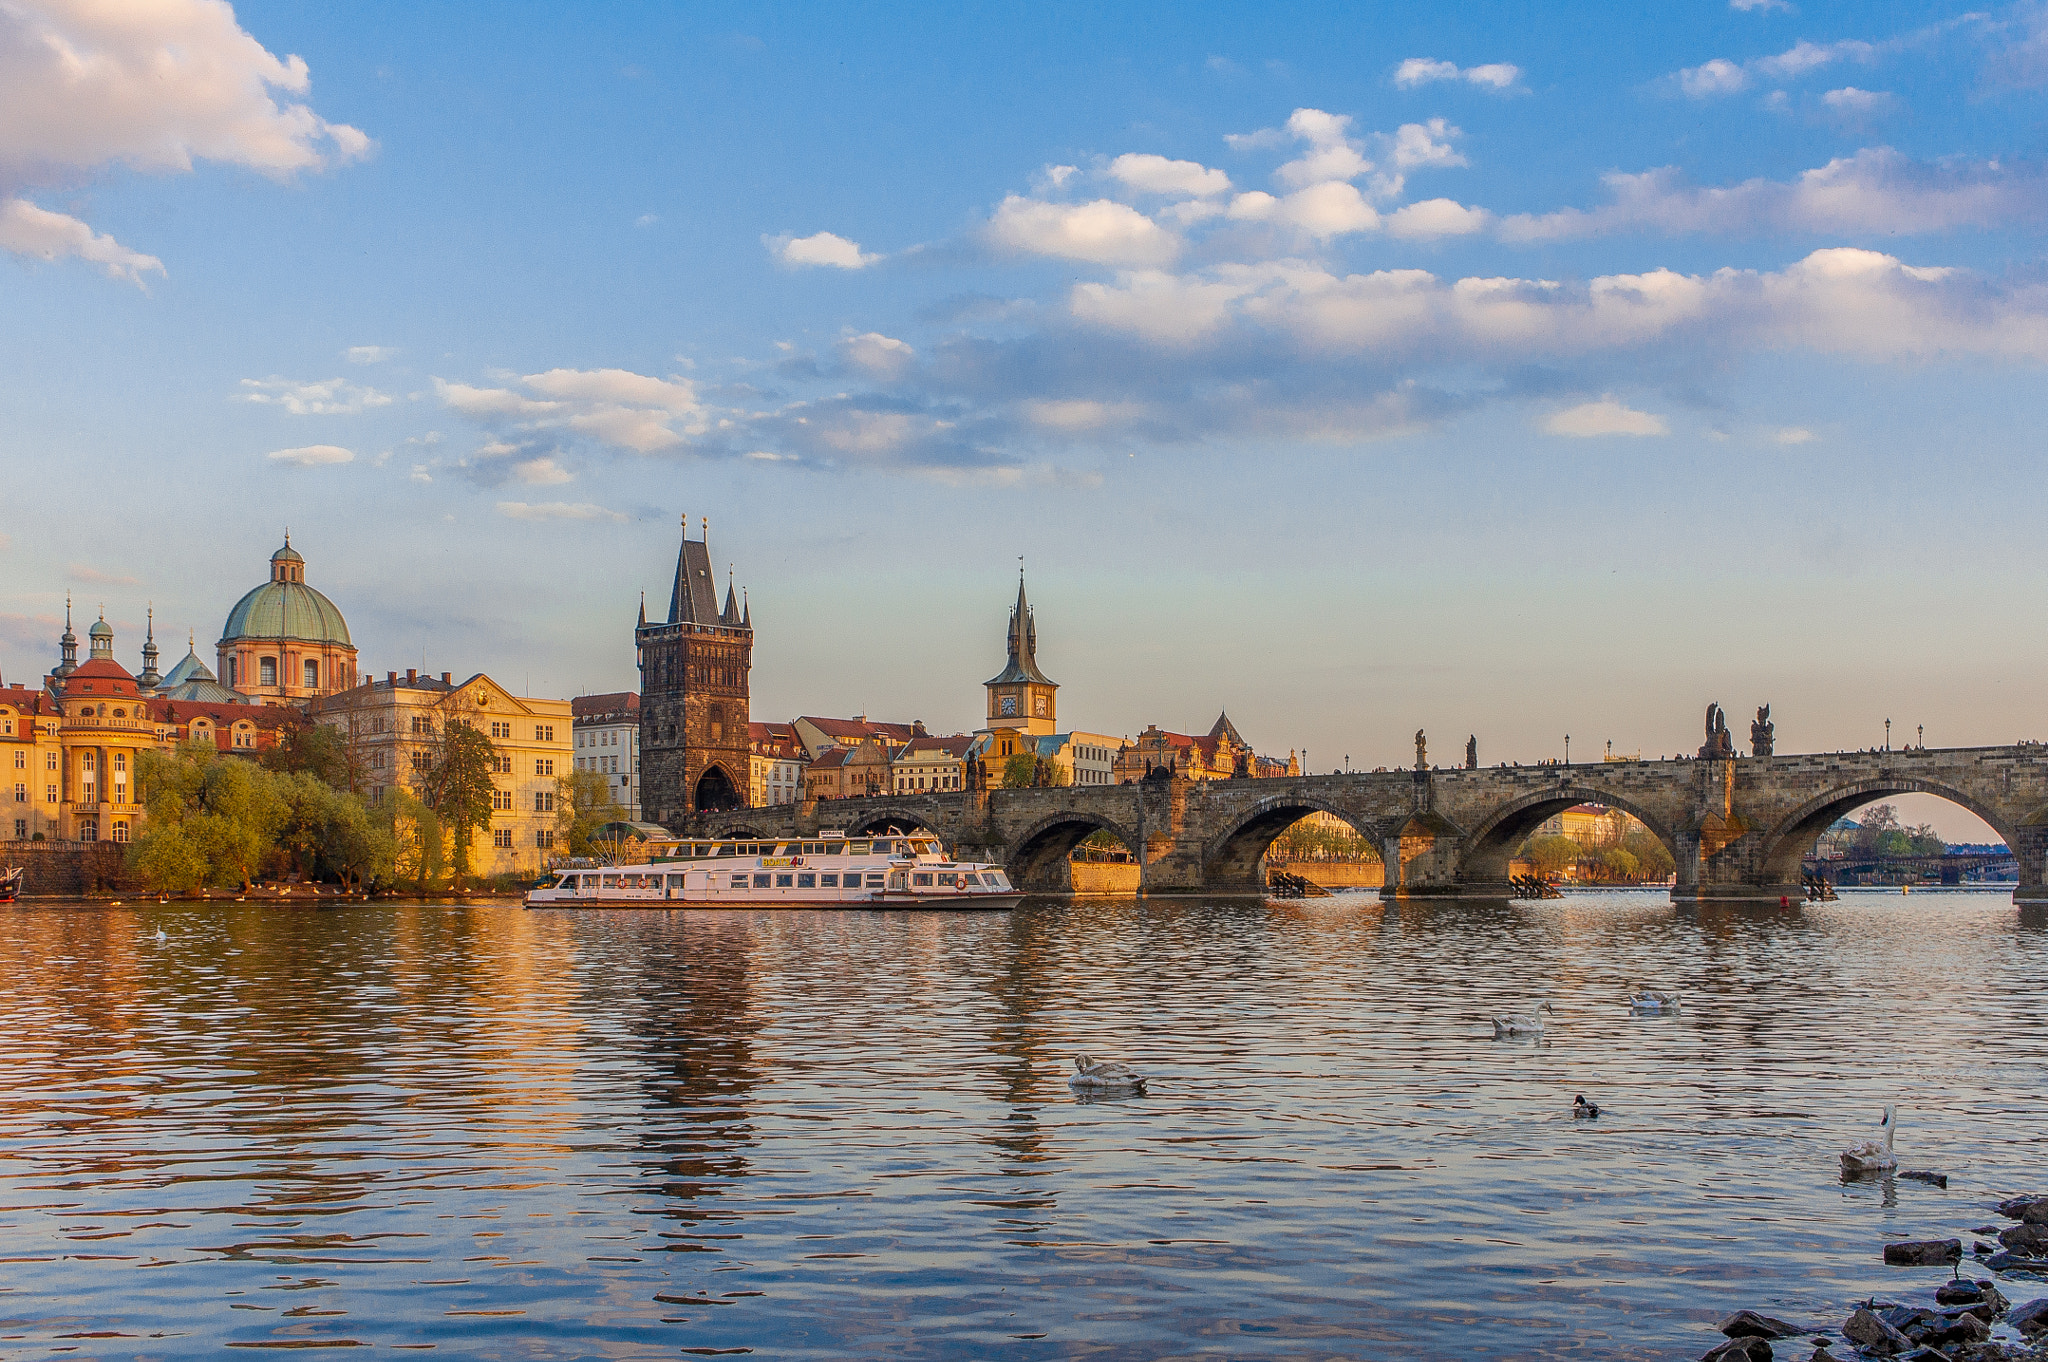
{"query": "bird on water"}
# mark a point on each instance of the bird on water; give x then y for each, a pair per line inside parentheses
(1104, 1075)
(1582, 1110)
(1873, 1156)
(1522, 1023)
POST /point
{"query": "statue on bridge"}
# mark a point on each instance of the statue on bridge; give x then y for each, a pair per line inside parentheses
(1718, 746)
(1421, 751)
(1762, 733)
(1472, 753)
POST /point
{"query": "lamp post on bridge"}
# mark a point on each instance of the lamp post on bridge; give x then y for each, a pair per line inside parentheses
(1567, 749)
(1887, 735)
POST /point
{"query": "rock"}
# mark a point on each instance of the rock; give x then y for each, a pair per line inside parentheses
(1928, 1252)
(1921, 1175)
(2031, 1318)
(2016, 1262)
(1872, 1334)
(2028, 1239)
(1749, 1324)
(1980, 1248)
(1980, 1298)
(1961, 1292)
(1971, 1329)
(1984, 1229)
(1751, 1349)
(2016, 1208)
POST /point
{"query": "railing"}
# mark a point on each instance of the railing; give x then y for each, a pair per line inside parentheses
(130, 725)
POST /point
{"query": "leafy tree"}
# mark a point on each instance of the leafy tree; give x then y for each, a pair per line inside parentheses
(1552, 854)
(1653, 858)
(326, 831)
(1052, 774)
(419, 852)
(211, 818)
(1617, 864)
(1019, 770)
(457, 786)
(322, 751)
(583, 804)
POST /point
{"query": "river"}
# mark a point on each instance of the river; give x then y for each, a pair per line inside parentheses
(498, 1133)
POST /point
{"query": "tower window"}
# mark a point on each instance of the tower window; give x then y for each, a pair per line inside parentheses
(267, 670)
(312, 674)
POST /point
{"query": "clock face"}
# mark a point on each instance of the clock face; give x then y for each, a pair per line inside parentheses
(1009, 704)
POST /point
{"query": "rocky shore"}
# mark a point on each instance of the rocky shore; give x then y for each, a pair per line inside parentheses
(1964, 1319)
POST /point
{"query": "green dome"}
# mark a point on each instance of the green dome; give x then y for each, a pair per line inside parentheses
(290, 610)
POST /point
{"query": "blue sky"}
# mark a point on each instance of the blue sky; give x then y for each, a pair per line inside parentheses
(1519, 370)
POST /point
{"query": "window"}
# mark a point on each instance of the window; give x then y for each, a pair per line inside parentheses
(501, 764)
(739, 881)
(87, 761)
(20, 792)
(267, 669)
(49, 794)
(502, 800)
(312, 674)
(761, 881)
(21, 829)
(20, 760)
(543, 801)
(828, 881)
(922, 881)
(501, 837)
(500, 730)
(874, 881)
(543, 766)
(807, 881)
(422, 723)
(543, 733)
(233, 673)
(120, 761)
(419, 761)
(949, 880)
(120, 829)
(544, 838)
(49, 761)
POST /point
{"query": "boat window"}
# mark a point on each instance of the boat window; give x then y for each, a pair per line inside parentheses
(885, 848)
(807, 881)
(921, 881)
(997, 880)
(831, 881)
(676, 883)
(970, 879)
(611, 882)
(739, 881)
(835, 848)
(701, 849)
(922, 847)
(761, 881)
(856, 848)
(785, 881)
(949, 879)
(875, 881)
(721, 849)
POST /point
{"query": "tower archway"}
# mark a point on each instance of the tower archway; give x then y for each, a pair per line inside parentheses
(716, 791)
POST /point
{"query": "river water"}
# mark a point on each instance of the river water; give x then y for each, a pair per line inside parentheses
(498, 1133)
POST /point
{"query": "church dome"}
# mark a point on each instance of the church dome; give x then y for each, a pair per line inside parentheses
(286, 608)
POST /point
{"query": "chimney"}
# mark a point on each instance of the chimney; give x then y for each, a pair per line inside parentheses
(412, 676)
(391, 678)
(445, 679)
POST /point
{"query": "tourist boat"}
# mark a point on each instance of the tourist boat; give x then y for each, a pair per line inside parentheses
(10, 883)
(828, 870)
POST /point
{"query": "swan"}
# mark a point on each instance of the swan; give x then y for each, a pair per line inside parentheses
(1582, 1110)
(1870, 1156)
(1104, 1075)
(1522, 1024)
(161, 937)
(1653, 1000)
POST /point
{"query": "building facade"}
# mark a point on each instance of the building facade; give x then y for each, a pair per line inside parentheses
(776, 763)
(694, 670)
(928, 763)
(1218, 755)
(284, 642)
(820, 735)
(608, 742)
(851, 772)
(393, 727)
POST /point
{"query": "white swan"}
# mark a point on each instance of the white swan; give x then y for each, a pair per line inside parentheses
(1871, 1156)
(1653, 1000)
(160, 937)
(1522, 1024)
(1104, 1075)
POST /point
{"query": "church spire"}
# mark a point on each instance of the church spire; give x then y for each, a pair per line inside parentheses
(149, 678)
(68, 644)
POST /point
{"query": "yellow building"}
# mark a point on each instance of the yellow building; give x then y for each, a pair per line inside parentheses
(393, 724)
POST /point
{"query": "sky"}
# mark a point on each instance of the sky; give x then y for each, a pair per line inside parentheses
(1508, 370)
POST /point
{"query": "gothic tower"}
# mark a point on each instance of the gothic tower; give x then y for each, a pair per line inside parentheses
(693, 693)
(1021, 698)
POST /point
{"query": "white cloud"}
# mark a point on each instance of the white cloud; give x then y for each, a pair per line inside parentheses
(1857, 105)
(1878, 190)
(1333, 208)
(26, 229)
(820, 248)
(1437, 217)
(1103, 232)
(369, 354)
(614, 407)
(154, 87)
(1149, 174)
(328, 397)
(878, 356)
(1717, 77)
(646, 220)
(556, 510)
(1793, 435)
(1425, 70)
(1605, 417)
(1332, 154)
(1765, 5)
(1724, 77)
(1420, 145)
(311, 456)
(1077, 414)
(541, 472)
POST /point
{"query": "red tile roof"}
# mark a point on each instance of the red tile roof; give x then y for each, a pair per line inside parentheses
(612, 702)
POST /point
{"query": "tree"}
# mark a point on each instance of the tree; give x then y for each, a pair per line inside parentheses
(419, 852)
(211, 818)
(583, 804)
(327, 831)
(1552, 854)
(457, 786)
(1617, 864)
(1019, 770)
(319, 750)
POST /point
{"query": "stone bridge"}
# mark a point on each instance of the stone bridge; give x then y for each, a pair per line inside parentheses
(1737, 828)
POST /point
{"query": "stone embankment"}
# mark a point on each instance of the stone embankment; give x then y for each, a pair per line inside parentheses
(1967, 1319)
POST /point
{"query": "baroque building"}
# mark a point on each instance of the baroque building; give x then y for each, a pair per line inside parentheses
(694, 718)
(284, 642)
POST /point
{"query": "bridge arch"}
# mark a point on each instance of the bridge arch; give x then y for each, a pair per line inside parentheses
(871, 821)
(1038, 858)
(1493, 841)
(1787, 843)
(1231, 860)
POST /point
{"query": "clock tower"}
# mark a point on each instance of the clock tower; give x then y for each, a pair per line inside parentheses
(1022, 699)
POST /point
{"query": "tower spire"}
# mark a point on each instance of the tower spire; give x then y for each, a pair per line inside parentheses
(68, 644)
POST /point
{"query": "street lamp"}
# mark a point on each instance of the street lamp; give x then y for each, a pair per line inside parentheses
(1887, 735)
(1567, 749)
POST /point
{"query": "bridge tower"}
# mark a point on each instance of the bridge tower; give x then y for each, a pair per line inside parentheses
(694, 672)
(1021, 698)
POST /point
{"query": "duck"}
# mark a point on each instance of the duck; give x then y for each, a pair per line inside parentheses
(1104, 1075)
(1582, 1110)
(1522, 1024)
(1871, 1156)
(1653, 1000)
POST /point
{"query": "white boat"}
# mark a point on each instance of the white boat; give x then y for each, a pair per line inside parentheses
(829, 870)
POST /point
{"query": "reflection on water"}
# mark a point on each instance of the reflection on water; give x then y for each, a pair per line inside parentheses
(517, 1134)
